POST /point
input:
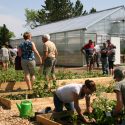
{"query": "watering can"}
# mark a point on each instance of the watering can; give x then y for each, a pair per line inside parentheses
(25, 108)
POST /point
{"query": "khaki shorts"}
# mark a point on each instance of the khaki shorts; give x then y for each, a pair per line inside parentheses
(49, 66)
(5, 59)
(28, 66)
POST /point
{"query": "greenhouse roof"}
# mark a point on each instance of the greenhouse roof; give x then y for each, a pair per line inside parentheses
(81, 22)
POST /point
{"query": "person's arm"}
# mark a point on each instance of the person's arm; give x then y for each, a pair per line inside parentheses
(76, 104)
(36, 52)
(88, 106)
(78, 109)
(45, 52)
(119, 103)
(45, 55)
(82, 49)
(56, 53)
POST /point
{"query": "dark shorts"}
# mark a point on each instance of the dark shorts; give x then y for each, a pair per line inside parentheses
(111, 64)
(89, 59)
(49, 66)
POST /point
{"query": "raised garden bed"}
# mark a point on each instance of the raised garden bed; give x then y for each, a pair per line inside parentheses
(104, 102)
(10, 103)
(54, 118)
(38, 103)
(13, 86)
(98, 80)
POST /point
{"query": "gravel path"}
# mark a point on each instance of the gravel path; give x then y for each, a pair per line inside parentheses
(11, 117)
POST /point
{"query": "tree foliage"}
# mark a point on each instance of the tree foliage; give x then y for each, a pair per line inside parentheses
(5, 35)
(54, 10)
(93, 10)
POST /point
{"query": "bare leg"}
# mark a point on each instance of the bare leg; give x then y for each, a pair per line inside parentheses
(90, 67)
(110, 71)
(48, 81)
(6, 66)
(87, 67)
(32, 80)
(28, 82)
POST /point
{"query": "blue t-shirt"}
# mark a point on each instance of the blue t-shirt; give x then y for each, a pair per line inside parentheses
(27, 52)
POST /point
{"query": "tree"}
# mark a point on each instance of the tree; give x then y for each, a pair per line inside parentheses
(54, 10)
(5, 35)
(31, 17)
(93, 10)
(78, 9)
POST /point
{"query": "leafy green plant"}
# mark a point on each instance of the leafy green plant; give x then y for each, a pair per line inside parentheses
(11, 75)
(102, 105)
(65, 74)
(102, 88)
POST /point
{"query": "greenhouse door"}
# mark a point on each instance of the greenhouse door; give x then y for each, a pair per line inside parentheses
(116, 42)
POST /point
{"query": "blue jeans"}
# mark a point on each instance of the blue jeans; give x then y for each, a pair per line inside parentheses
(59, 104)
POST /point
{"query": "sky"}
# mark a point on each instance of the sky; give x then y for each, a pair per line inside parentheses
(12, 12)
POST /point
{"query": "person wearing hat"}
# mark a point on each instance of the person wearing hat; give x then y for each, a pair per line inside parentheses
(70, 94)
(119, 89)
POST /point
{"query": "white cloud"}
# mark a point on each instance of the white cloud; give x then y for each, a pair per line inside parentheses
(13, 24)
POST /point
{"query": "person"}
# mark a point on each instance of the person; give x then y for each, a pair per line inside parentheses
(26, 51)
(5, 57)
(104, 59)
(89, 53)
(97, 54)
(119, 90)
(49, 60)
(111, 56)
(70, 94)
(12, 55)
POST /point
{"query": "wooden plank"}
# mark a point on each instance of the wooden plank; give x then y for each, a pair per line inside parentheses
(38, 103)
(6, 102)
(45, 121)
(12, 85)
(16, 93)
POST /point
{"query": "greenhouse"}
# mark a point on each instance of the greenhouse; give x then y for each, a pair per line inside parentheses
(71, 34)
